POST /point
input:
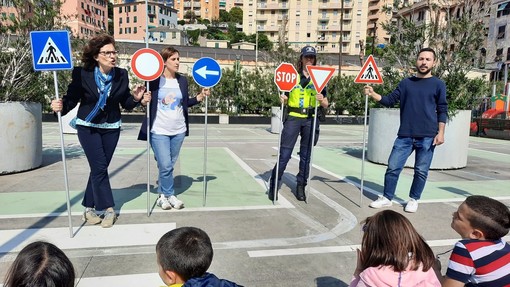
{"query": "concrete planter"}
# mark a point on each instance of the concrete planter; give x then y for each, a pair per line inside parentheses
(20, 136)
(384, 124)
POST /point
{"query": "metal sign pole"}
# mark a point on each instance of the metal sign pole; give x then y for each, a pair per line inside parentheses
(66, 181)
(148, 110)
(364, 149)
(205, 155)
(307, 190)
(275, 193)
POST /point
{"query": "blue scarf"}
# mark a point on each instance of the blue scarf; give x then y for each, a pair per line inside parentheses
(104, 85)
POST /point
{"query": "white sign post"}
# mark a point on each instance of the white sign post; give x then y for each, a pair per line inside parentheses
(147, 64)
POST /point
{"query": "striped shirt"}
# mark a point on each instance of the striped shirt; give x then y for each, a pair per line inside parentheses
(484, 263)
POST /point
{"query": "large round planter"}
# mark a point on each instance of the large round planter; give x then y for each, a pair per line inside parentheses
(383, 128)
(20, 136)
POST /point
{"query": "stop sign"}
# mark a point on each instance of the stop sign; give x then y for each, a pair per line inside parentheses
(285, 77)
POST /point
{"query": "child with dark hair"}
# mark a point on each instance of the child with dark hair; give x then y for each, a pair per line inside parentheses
(184, 255)
(394, 254)
(40, 264)
(482, 257)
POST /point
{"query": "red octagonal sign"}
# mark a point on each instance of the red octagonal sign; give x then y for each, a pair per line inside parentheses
(285, 77)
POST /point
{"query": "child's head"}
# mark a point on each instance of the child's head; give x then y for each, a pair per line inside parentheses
(183, 253)
(390, 239)
(481, 217)
(40, 264)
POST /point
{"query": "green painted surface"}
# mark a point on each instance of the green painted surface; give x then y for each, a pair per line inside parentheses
(229, 185)
(340, 162)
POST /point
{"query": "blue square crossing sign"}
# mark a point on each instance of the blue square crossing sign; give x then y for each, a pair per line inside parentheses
(51, 50)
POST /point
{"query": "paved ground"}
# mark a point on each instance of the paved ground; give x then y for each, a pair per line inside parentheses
(256, 243)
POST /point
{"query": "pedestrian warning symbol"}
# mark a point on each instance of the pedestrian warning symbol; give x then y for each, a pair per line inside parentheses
(51, 50)
(51, 54)
(369, 74)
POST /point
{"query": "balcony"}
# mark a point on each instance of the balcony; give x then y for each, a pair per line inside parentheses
(323, 39)
(272, 6)
(373, 17)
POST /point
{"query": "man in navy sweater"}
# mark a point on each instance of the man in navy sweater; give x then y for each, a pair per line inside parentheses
(423, 114)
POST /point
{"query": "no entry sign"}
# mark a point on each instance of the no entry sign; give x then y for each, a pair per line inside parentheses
(147, 64)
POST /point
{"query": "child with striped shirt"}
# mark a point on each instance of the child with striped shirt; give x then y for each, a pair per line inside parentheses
(482, 257)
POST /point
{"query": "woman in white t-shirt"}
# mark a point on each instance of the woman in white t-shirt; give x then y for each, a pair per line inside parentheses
(169, 123)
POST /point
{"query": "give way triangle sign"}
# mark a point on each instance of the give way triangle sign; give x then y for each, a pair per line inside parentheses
(320, 76)
(369, 74)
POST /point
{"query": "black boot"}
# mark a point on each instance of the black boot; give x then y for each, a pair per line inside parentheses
(271, 191)
(300, 192)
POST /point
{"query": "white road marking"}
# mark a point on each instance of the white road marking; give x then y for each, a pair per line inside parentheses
(132, 280)
(336, 249)
(86, 236)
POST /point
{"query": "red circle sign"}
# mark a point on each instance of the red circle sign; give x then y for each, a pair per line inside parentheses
(285, 77)
(147, 64)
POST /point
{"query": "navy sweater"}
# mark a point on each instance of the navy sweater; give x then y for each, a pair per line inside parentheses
(422, 106)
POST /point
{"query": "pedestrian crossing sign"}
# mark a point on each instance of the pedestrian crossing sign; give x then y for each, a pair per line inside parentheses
(369, 74)
(51, 50)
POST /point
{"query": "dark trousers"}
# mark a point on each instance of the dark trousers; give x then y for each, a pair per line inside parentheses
(99, 146)
(292, 128)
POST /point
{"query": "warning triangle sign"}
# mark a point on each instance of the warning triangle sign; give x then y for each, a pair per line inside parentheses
(320, 76)
(369, 74)
(51, 54)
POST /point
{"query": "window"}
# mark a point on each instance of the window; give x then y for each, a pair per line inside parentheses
(499, 53)
(501, 32)
(135, 19)
(135, 29)
(127, 19)
(421, 15)
(120, 31)
(120, 20)
(508, 54)
(307, 35)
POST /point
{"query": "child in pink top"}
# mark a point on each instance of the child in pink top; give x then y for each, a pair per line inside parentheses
(393, 254)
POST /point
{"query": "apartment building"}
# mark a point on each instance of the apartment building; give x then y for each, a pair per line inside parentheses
(379, 12)
(229, 4)
(131, 17)
(83, 17)
(423, 12)
(205, 9)
(498, 48)
(318, 23)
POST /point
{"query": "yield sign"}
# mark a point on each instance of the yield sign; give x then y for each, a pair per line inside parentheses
(320, 76)
(369, 74)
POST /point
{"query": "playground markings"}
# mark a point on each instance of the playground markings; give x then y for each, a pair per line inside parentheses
(86, 236)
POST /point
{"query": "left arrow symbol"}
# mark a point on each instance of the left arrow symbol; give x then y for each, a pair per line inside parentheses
(203, 72)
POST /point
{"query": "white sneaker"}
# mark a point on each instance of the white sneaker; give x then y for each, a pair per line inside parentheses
(163, 202)
(177, 204)
(411, 206)
(381, 202)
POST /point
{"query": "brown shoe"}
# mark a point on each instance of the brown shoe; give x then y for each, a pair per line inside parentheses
(90, 216)
(109, 219)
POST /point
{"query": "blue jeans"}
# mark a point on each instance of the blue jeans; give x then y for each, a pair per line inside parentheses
(402, 149)
(166, 150)
(292, 128)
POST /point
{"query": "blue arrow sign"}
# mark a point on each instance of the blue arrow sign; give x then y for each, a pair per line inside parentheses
(206, 72)
(51, 50)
